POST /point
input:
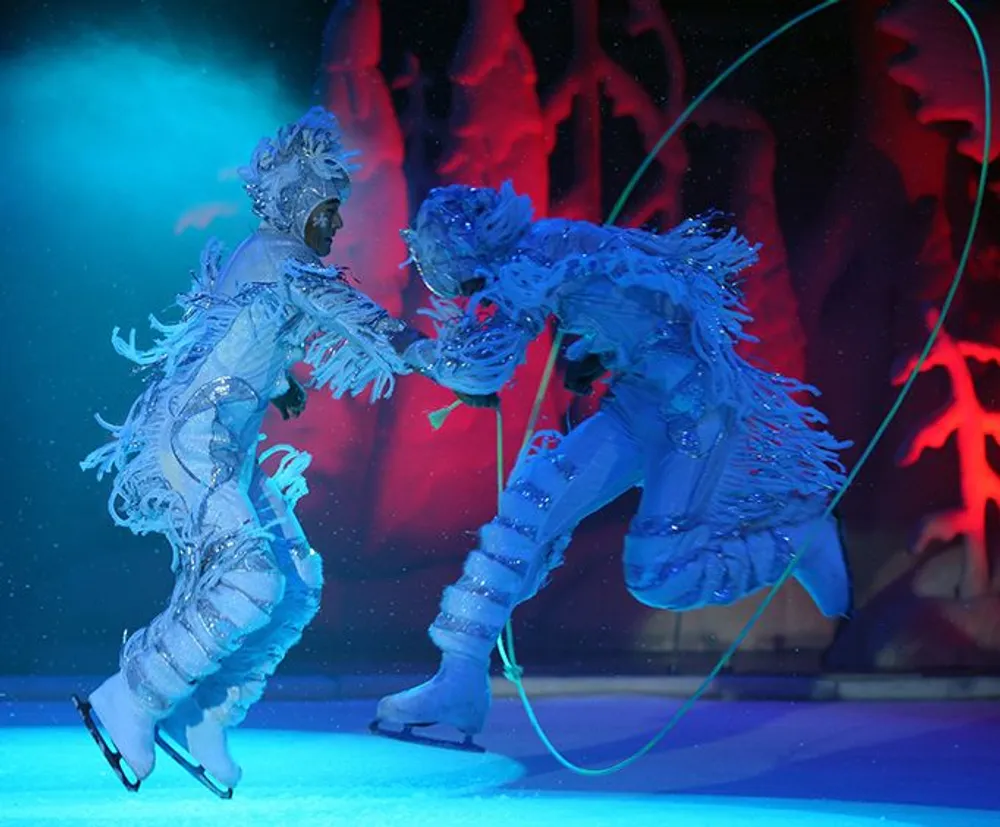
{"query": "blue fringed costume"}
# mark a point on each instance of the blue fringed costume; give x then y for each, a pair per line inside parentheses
(734, 472)
(185, 464)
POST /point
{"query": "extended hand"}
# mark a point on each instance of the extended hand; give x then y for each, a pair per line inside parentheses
(407, 336)
(292, 402)
(474, 400)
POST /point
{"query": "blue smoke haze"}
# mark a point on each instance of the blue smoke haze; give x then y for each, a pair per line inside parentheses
(105, 144)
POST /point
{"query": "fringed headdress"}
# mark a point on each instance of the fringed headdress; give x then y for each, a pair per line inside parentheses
(459, 228)
(290, 175)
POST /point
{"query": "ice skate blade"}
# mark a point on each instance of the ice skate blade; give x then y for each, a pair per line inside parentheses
(407, 736)
(108, 749)
(196, 771)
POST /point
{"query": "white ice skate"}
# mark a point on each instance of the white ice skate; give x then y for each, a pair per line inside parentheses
(131, 730)
(822, 567)
(457, 696)
(202, 736)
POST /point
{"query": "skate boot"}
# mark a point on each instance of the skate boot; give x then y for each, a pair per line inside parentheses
(131, 729)
(457, 696)
(822, 564)
(203, 736)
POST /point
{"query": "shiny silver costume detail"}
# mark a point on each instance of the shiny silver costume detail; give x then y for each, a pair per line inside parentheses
(728, 461)
(185, 461)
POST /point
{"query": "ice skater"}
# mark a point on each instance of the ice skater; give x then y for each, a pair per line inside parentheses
(185, 461)
(734, 472)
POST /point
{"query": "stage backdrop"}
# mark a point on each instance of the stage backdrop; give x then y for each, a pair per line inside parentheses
(849, 150)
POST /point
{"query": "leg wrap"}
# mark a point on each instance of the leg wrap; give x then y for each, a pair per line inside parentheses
(514, 557)
(552, 488)
(211, 613)
(505, 570)
(677, 566)
(243, 678)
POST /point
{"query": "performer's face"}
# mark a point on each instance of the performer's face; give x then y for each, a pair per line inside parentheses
(322, 226)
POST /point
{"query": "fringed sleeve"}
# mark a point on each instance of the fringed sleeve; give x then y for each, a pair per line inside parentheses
(470, 354)
(350, 346)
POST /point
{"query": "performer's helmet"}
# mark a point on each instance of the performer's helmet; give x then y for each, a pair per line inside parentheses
(460, 230)
(304, 166)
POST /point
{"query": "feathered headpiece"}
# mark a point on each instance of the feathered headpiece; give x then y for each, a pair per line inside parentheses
(305, 165)
(459, 228)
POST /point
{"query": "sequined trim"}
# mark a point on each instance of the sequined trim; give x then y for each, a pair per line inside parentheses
(138, 682)
(221, 629)
(386, 324)
(225, 448)
(683, 432)
(515, 564)
(255, 562)
(532, 493)
(446, 622)
(300, 552)
(187, 627)
(266, 606)
(214, 551)
(645, 527)
(529, 532)
(563, 465)
(739, 575)
(172, 664)
(479, 587)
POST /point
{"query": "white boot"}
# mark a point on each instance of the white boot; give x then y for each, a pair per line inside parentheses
(131, 727)
(822, 565)
(204, 737)
(458, 696)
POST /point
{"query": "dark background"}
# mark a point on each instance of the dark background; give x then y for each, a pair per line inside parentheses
(869, 197)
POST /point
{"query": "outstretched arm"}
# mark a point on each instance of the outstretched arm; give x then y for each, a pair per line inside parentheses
(351, 337)
(472, 356)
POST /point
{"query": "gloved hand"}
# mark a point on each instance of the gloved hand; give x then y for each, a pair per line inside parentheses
(406, 337)
(474, 400)
(580, 376)
(292, 402)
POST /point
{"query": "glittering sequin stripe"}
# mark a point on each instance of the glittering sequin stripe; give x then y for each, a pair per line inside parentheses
(255, 562)
(654, 578)
(221, 629)
(186, 625)
(266, 606)
(647, 527)
(515, 564)
(529, 532)
(562, 464)
(139, 683)
(531, 492)
(172, 664)
(446, 622)
(475, 586)
(655, 575)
